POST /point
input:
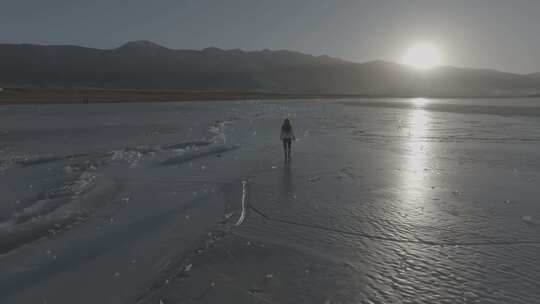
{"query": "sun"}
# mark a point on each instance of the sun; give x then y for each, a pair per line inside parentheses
(422, 56)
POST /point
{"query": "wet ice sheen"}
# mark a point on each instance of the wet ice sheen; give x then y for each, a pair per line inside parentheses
(382, 203)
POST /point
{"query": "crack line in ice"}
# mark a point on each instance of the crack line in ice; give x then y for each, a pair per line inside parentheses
(243, 214)
(389, 239)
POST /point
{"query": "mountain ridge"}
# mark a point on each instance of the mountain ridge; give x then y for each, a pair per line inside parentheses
(147, 65)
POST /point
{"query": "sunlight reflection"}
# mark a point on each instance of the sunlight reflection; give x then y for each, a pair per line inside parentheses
(416, 147)
(420, 102)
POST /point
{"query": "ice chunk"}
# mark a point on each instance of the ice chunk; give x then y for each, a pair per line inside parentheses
(313, 179)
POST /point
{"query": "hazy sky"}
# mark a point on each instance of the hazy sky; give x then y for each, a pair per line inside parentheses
(500, 34)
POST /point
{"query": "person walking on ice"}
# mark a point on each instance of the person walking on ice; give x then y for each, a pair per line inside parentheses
(287, 136)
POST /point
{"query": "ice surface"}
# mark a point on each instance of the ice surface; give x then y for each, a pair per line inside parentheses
(384, 202)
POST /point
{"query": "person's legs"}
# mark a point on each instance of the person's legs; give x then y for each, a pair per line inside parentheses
(285, 148)
(289, 148)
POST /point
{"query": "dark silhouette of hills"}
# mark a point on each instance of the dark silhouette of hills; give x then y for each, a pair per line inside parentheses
(146, 65)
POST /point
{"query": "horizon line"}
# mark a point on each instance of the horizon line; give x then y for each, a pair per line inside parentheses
(270, 50)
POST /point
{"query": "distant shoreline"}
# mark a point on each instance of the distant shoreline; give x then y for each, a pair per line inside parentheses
(20, 96)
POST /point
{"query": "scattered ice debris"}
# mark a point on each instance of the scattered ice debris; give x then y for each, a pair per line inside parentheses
(274, 167)
(203, 168)
(206, 152)
(188, 267)
(117, 274)
(269, 276)
(457, 193)
(126, 199)
(228, 215)
(161, 302)
(213, 284)
(133, 261)
(527, 218)
(187, 217)
(132, 157)
(507, 202)
(82, 184)
(218, 129)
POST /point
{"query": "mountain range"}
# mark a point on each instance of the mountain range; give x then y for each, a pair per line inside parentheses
(146, 65)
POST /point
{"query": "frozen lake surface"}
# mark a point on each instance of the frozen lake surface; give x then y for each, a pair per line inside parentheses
(385, 201)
